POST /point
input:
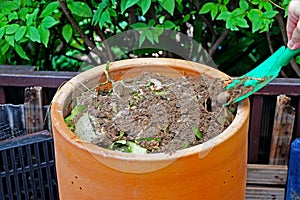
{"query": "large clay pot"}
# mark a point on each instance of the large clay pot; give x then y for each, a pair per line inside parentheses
(213, 170)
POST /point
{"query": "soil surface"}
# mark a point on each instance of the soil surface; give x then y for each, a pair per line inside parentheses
(153, 113)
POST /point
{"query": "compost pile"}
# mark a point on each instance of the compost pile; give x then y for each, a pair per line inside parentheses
(152, 113)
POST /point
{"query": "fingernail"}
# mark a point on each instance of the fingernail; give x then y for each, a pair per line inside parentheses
(290, 44)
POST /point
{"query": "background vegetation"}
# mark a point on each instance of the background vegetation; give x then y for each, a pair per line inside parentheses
(57, 35)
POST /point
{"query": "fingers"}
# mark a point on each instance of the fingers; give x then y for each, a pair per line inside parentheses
(293, 25)
(294, 41)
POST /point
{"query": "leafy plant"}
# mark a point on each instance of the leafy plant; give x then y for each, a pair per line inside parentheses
(260, 14)
(58, 35)
(22, 24)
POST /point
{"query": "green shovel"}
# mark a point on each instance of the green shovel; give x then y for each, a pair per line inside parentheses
(262, 74)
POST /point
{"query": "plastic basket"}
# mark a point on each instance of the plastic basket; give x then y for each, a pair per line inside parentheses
(7, 132)
(27, 169)
(12, 121)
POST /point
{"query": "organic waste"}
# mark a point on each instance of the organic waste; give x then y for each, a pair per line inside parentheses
(152, 113)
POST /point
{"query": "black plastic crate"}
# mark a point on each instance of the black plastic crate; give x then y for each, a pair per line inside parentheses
(27, 169)
(7, 132)
(12, 121)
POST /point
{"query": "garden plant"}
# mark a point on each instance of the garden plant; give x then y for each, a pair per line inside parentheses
(58, 35)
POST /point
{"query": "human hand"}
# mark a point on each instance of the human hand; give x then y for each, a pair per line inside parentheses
(293, 24)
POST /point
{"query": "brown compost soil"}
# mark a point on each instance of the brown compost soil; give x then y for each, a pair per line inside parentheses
(155, 112)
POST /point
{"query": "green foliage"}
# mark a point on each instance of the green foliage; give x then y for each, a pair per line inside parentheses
(168, 5)
(259, 13)
(67, 32)
(40, 33)
(23, 24)
(80, 9)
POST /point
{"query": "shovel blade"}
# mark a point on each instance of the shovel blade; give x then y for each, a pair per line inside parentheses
(258, 77)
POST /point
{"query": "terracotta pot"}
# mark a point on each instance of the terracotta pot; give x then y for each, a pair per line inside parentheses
(215, 169)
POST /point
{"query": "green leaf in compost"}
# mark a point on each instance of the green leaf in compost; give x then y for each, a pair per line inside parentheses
(127, 147)
(135, 148)
(120, 145)
(159, 93)
(186, 145)
(76, 111)
(149, 139)
(197, 132)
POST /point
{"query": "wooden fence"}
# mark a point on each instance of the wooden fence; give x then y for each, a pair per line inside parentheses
(268, 141)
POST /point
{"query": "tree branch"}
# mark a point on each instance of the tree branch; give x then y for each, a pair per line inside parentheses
(295, 67)
(73, 22)
(282, 27)
(218, 42)
(210, 27)
(107, 47)
(269, 42)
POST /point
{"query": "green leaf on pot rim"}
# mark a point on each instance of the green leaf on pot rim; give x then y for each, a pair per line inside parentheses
(76, 111)
(127, 147)
(136, 148)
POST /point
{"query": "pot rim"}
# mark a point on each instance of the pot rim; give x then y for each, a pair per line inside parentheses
(57, 110)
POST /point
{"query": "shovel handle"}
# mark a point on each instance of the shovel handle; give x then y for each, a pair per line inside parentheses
(288, 54)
